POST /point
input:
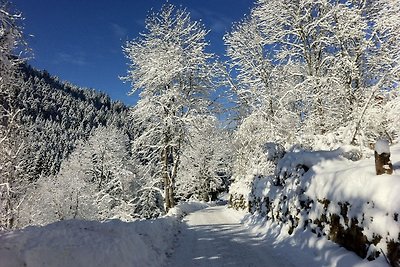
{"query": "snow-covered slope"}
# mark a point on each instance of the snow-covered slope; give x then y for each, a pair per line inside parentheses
(89, 243)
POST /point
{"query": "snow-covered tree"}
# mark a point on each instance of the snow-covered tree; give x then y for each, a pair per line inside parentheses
(327, 61)
(11, 143)
(205, 167)
(173, 73)
(94, 183)
(110, 170)
(381, 70)
(248, 143)
(260, 85)
(10, 36)
(248, 54)
(12, 163)
(301, 34)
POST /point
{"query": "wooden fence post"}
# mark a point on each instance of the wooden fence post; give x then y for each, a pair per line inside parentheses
(382, 157)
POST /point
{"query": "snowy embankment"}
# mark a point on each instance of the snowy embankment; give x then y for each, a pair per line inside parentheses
(90, 243)
(333, 197)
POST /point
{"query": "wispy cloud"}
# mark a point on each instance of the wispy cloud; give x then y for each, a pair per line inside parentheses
(76, 58)
(214, 21)
(119, 31)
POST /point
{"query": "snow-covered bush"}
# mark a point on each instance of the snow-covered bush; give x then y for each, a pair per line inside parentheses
(254, 157)
(148, 203)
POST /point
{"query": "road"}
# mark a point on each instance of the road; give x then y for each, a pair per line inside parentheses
(215, 237)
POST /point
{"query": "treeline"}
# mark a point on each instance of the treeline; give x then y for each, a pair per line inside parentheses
(54, 115)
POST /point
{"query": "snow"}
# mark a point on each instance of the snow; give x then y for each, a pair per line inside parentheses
(325, 182)
(305, 248)
(215, 237)
(91, 243)
(374, 200)
(185, 208)
(382, 146)
(306, 158)
(218, 236)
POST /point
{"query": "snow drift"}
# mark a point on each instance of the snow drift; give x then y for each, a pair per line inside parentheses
(91, 243)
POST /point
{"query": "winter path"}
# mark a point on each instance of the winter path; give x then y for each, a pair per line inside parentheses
(215, 237)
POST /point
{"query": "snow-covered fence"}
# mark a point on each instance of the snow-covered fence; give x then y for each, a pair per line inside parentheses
(383, 165)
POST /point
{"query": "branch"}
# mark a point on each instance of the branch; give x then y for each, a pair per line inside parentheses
(375, 88)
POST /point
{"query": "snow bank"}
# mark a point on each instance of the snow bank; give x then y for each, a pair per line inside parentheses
(185, 208)
(340, 199)
(90, 243)
(360, 202)
(373, 200)
(303, 247)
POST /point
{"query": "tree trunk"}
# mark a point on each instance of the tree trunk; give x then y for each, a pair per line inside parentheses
(171, 197)
(383, 165)
(167, 203)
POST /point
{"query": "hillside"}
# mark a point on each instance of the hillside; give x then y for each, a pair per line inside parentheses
(42, 121)
(54, 115)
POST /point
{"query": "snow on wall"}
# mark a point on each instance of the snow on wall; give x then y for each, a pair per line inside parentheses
(361, 200)
(332, 196)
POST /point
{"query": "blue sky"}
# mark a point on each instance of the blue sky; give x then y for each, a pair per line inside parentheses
(80, 40)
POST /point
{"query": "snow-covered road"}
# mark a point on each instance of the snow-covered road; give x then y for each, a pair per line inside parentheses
(215, 237)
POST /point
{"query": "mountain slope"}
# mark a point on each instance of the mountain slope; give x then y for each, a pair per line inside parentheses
(55, 115)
